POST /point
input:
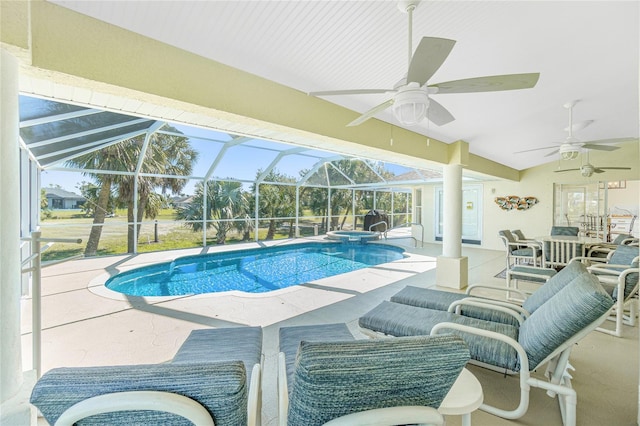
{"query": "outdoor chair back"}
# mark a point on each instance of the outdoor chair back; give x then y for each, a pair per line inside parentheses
(334, 379)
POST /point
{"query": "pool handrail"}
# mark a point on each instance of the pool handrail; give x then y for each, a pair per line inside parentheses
(412, 237)
(386, 226)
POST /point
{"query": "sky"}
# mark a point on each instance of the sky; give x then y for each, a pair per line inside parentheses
(239, 162)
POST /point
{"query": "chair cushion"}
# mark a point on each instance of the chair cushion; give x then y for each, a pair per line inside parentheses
(222, 344)
(333, 379)
(553, 286)
(531, 273)
(578, 304)
(620, 238)
(403, 320)
(565, 230)
(508, 235)
(624, 255)
(441, 300)
(290, 338)
(220, 387)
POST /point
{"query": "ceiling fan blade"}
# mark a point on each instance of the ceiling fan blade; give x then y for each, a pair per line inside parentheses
(373, 111)
(438, 114)
(492, 83)
(427, 58)
(552, 153)
(616, 140)
(615, 168)
(349, 92)
(579, 126)
(600, 147)
(535, 149)
(566, 170)
(598, 170)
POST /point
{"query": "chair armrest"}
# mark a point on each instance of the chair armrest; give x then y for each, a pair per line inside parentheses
(491, 303)
(479, 303)
(254, 396)
(522, 354)
(391, 416)
(283, 390)
(497, 288)
(587, 260)
(608, 269)
(521, 244)
(136, 401)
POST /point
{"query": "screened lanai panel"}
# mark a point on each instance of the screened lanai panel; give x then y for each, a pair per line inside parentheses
(243, 163)
(54, 131)
(295, 165)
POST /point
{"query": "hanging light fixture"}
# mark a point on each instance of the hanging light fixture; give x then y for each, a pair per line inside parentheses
(410, 104)
(569, 151)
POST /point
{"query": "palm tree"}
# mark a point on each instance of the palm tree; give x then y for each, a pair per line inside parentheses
(227, 208)
(114, 157)
(276, 200)
(165, 155)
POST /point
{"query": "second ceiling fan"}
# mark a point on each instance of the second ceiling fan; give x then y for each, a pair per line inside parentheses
(411, 99)
(571, 146)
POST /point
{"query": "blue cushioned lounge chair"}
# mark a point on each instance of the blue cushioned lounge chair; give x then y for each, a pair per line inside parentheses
(619, 276)
(374, 382)
(449, 301)
(546, 337)
(207, 382)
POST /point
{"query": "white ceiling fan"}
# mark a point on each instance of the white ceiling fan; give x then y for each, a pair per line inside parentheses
(571, 147)
(411, 98)
(588, 169)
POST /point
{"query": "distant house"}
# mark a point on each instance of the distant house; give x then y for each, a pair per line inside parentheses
(60, 199)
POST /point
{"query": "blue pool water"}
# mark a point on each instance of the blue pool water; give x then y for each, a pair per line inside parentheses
(253, 271)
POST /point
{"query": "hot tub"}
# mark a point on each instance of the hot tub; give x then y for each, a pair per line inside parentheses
(353, 236)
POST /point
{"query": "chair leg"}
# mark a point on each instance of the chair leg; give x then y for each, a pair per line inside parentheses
(633, 311)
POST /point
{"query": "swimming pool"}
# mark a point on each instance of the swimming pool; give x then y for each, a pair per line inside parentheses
(252, 271)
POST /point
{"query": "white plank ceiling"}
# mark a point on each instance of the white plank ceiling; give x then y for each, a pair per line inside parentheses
(586, 51)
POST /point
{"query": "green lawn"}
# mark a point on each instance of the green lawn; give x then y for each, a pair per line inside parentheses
(113, 240)
(170, 234)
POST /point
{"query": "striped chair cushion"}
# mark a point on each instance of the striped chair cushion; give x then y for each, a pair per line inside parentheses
(403, 320)
(222, 344)
(333, 379)
(578, 304)
(440, 301)
(290, 338)
(565, 230)
(220, 387)
(624, 255)
(553, 286)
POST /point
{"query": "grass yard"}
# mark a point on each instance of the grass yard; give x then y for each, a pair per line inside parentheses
(113, 240)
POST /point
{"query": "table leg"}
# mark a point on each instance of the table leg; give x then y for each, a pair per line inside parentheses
(466, 419)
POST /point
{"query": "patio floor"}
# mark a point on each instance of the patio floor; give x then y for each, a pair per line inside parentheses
(82, 328)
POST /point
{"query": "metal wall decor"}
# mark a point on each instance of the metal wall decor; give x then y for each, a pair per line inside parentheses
(513, 202)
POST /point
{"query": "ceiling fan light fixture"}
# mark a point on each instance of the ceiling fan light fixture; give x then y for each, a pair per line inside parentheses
(410, 105)
(569, 151)
(586, 170)
(570, 155)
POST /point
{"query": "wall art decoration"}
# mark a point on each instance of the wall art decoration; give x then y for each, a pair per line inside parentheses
(513, 202)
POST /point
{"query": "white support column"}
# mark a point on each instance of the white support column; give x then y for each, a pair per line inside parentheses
(452, 211)
(14, 389)
(452, 269)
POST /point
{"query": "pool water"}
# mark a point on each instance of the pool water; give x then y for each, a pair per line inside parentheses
(252, 271)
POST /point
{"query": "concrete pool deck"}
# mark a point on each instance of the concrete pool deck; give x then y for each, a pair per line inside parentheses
(81, 328)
